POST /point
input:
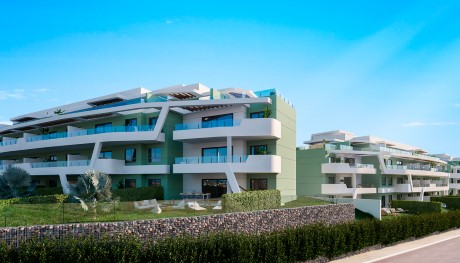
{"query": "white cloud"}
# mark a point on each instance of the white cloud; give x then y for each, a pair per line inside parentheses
(422, 124)
(12, 94)
(457, 105)
(169, 22)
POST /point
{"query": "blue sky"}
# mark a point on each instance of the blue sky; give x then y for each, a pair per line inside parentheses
(386, 68)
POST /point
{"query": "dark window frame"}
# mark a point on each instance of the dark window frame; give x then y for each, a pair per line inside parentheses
(133, 157)
(256, 115)
(150, 155)
(129, 181)
(153, 182)
(207, 121)
(252, 184)
(252, 149)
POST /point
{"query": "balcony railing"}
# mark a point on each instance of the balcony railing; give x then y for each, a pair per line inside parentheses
(415, 167)
(60, 164)
(361, 165)
(141, 128)
(210, 159)
(8, 142)
(208, 124)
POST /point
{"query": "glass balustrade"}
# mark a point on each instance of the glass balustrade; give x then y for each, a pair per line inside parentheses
(8, 142)
(210, 159)
(208, 124)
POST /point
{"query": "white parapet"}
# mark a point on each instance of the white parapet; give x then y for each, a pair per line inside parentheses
(345, 168)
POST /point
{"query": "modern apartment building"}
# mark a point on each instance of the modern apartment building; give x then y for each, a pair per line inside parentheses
(340, 164)
(186, 138)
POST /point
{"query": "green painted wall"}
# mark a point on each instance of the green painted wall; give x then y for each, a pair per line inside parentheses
(309, 176)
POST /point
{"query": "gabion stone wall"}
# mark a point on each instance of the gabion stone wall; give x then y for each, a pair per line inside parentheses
(249, 222)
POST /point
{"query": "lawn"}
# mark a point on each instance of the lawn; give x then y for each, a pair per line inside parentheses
(40, 214)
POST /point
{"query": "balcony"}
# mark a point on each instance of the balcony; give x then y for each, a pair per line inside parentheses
(345, 168)
(341, 189)
(421, 170)
(110, 166)
(117, 134)
(454, 186)
(238, 164)
(264, 128)
(427, 185)
(8, 142)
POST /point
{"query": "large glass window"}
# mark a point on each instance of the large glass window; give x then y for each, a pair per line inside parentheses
(258, 150)
(258, 184)
(153, 122)
(105, 155)
(52, 183)
(154, 182)
(103, 127)
(384, 181)
(130, 183)
(214, 155)
(155, 155)
(216, 187)
(217, 121)
(130, 155)
(131, 124)
(383, 201)
(256, 115)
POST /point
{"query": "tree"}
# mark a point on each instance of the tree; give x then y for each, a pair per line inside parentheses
(59, 111)
(267, 112)
(92, 187)
(14, 182)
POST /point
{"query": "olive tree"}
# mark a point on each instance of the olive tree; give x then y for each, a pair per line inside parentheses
(14, 182)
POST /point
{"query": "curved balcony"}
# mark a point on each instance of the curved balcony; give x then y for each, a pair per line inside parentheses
(245, 129)
(238, 164)
(415, 170)
(342, 189)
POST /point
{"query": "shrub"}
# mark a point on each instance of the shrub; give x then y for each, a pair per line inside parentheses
(418, 206)
(48, 190)
(14, 182)
(251, 200)
(47, 199)
(303, 243)
(136, 194)
(452, 202)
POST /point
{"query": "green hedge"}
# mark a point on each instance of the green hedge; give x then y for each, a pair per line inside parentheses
(47, 199)
(49, 191)
(289, 245)
(418, 206)
(451, 201)
(137, 194)
(251, 200)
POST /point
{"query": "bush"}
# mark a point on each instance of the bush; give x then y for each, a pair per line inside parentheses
(418, 206)
(47, 199)
(48, 190)
(251, 200)
(303, 243)
(452, 202)
(136, 194)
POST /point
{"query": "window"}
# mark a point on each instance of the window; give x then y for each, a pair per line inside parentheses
(131, 125)
(154, 182)
(130, 155)
(105, 155)
(399, 163)
(390, 198)
(155, 155)
(384, 181)
(258, 149)
(217, 121)
(350, 161)
(400, 180)
(52, 183)
(130, 183)
(103, 127)
(389, 162)
(399, 197)
(390, 181)
(153, 122)
(53, 158)
(331, 180)
(258, 184)
(216, 187)
(383, 201)
(214, 155)
(256, 115)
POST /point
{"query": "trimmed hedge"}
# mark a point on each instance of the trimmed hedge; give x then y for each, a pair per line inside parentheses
(451, 201)
(49, 191)
(418, 206)
(47, 199)
(251, 200)
(137, 194)
(289, 245)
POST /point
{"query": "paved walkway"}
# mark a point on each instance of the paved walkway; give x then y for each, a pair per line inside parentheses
(435, 245)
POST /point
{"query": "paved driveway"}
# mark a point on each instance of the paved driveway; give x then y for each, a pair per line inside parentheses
(444, 252)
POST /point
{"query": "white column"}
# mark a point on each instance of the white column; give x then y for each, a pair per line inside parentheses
(96, 151)
(353, 181)
(64, 183)
(229, 150)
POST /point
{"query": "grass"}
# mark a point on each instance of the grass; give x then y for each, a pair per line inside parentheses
(40, 214)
